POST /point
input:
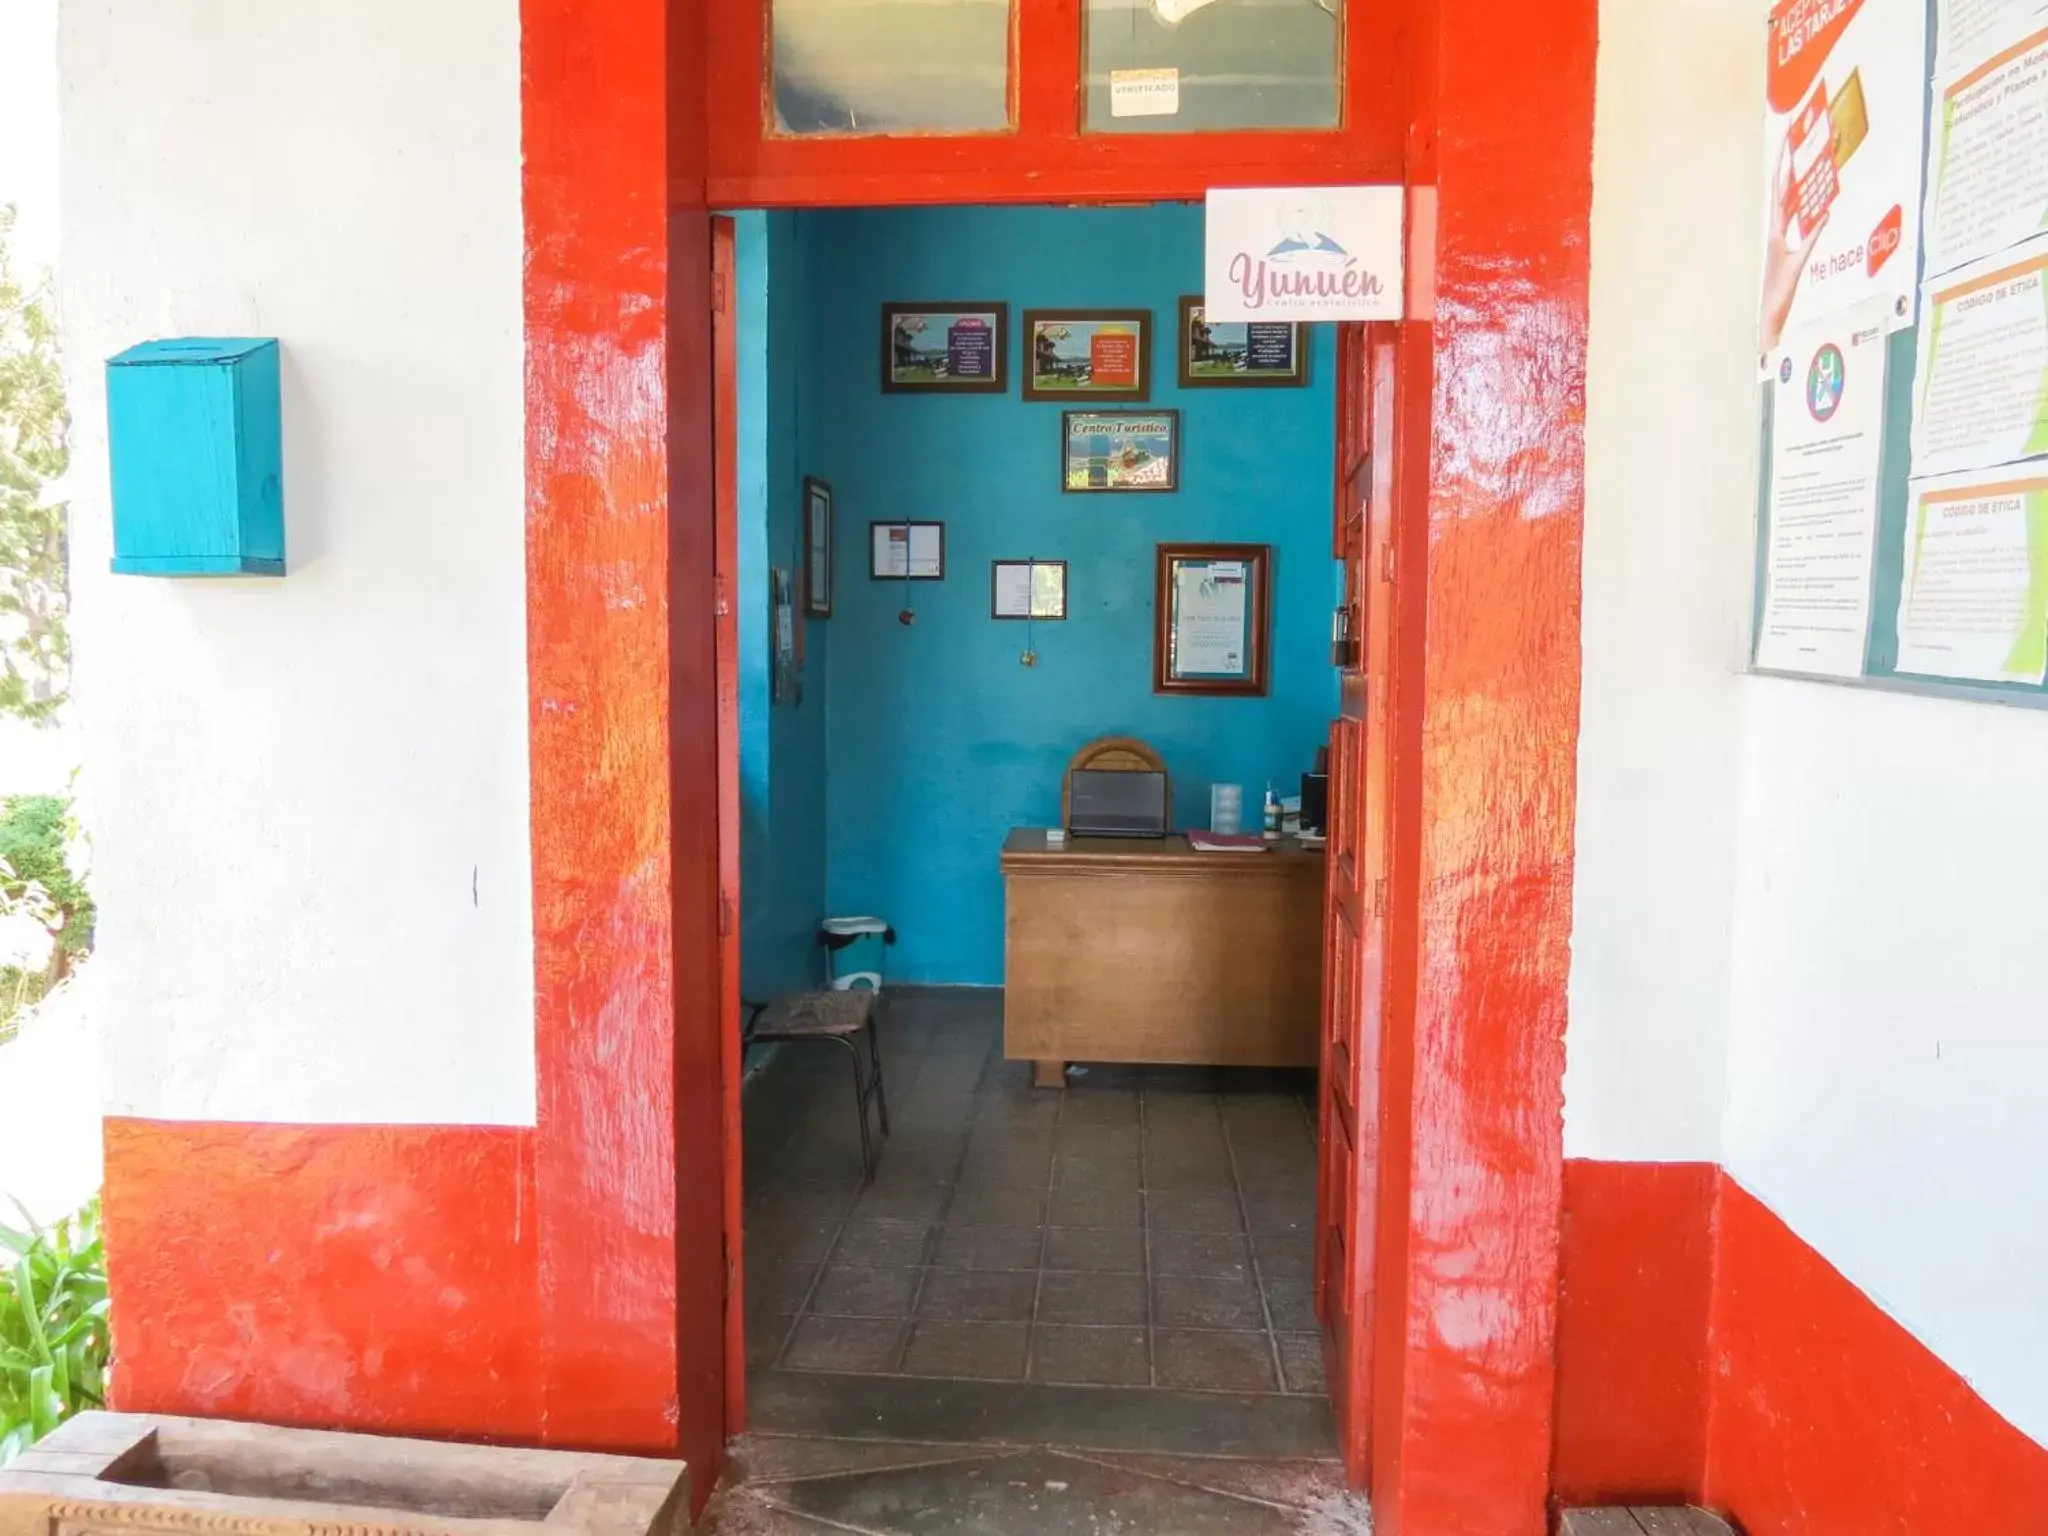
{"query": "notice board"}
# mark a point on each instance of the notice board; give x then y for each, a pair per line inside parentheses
(1902, 530)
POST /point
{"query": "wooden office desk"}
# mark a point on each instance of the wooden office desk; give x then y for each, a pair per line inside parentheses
(1142, 950)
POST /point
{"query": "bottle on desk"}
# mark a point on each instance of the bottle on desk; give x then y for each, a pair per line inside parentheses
(1272, 814)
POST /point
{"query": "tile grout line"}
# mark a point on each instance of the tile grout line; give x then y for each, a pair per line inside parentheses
(1052, 1181)
(945, 1208)
(1145, 1248)
(1252, 1249)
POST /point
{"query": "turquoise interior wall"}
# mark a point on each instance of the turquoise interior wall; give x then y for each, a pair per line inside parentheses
(938, 740)
(782, 745)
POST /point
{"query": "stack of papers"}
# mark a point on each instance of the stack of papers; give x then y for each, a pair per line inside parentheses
(1227, 842)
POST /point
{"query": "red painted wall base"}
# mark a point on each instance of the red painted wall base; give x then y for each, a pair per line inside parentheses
(1706, 1352)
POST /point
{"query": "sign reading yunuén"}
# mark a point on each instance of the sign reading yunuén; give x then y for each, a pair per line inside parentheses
(1302, 253)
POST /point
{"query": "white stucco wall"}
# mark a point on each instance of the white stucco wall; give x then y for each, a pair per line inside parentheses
(310, 794)
(1809, 934)
(1669, 479)
(1889, 1060)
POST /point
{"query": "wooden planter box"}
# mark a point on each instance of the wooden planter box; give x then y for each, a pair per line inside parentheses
(118, 1474)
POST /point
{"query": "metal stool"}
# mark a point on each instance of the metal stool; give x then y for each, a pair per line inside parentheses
(841, 1018)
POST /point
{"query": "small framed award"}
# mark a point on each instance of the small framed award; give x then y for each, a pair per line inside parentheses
(907, 551)
(1088, 354)
(946, 347)
(1217, 354)
(817, 548)
(1120, 451)
(1211, 611)
(1027, 589)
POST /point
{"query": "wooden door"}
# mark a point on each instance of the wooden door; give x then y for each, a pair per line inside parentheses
(725, 388)
(1354, 923)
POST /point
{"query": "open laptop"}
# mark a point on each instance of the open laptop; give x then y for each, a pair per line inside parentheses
(1104, 802)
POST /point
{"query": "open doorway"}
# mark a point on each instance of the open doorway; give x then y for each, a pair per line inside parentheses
(1130, 1256)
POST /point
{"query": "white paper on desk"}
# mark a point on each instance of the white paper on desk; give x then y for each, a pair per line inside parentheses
(1826, 440)
(1974, 602)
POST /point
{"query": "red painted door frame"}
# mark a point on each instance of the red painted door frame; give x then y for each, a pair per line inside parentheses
(1461, 770)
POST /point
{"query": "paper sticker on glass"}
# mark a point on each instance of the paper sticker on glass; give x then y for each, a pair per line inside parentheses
(945, 348)
(1122, 450)
(1105, 354)
(1225, 354)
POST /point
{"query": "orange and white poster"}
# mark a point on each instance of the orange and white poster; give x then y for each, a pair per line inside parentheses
(1842, 142)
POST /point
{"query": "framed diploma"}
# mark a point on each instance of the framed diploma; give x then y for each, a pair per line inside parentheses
(907, 551)
(1211, 613)
(1027, 589)
(1087, 354)
(817, 548)
(946, 347)
(1216, 354)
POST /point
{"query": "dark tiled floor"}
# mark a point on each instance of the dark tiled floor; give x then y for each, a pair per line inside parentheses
(1144, 1228)
(800, 1487)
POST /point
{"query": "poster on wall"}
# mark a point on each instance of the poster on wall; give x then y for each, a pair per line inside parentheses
(1974, 603)
(1826, 444)
(1847, 93)
(1987, 153)
(1980, 392)
(1302, 253)
(1962, 27)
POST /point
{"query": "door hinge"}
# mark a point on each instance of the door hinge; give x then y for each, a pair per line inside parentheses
(718, 291)
(1387, 562)
(1379, 896)
(724, 915)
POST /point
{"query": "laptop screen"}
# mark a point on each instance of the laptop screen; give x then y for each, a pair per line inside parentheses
(1104, 802)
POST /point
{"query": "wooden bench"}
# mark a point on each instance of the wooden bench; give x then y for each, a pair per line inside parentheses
(841, 1018)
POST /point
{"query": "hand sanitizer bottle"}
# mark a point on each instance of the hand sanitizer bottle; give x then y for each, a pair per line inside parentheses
(1272, 813)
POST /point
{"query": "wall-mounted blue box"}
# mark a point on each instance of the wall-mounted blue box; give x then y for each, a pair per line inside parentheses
(193, 427)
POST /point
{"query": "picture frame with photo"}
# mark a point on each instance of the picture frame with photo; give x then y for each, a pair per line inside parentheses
(1238, 355)
(946, 347)
(1112, 451)
(1088, 354)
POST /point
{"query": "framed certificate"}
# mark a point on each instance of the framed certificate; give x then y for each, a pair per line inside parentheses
(1217, 354)
(1212, 610)
(907, 551)
(1027, 589)
(817, 548)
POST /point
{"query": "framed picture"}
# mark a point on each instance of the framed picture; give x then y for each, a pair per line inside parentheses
(907, 551)
(817, 548)
(1095, 354)
(1027, 589)
(1120, 451)
(1223, 354)
(1211, 612)
(946, 347)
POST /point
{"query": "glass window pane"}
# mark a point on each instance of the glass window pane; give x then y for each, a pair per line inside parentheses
(891, 66)
(1213, 64)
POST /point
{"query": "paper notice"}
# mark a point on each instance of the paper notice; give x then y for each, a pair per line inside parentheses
(1987, 156)
(1963, 27)
(1846, 92)
(1210, 604)
(1144, 92)
(1826, 440)
(1974, 603)
(1981, 389)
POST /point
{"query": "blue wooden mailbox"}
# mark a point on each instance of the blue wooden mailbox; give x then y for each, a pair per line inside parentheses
(198, 462)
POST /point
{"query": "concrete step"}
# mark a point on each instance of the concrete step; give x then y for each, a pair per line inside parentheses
(1642, 1520)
